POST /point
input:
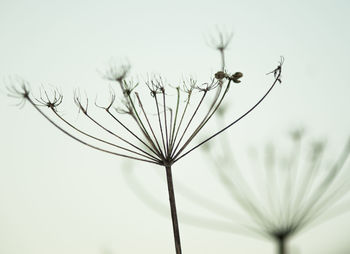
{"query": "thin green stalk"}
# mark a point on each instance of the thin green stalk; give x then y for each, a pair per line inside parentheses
(189, 122)
(109, 131)
(166, 125)
(181, 120)
(175, 119)
(148, 122)
(207, 117)
(160, 122)
(277, 79)
(139, 122)
(222, 54)
(104, 141)
(83, 142)
(132, 133)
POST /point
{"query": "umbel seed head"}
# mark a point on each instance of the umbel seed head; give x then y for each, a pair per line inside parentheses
(167, 137)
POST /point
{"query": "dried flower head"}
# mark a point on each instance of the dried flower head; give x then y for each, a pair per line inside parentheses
(158, 128)
(51, 102)
(221, 40)
(20, 92)
(114, 73)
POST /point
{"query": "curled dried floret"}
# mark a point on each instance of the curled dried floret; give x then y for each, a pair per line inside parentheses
(51, 101)
(278, 70)
(77, 100)
(156, 85)
(118, 74)
(189, 85)
(19, 92)
(205, 87)
(111, 102)
(220, 40)
(127, 87)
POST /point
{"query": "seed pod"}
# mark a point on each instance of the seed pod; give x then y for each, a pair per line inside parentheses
(235, 77)
(220, 75)
(238, 75)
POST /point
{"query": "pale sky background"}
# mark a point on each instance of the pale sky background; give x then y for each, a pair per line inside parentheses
(57, 196)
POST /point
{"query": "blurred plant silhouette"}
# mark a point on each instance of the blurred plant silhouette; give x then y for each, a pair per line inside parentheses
(290, 192)
(278, 195)
(157, 129)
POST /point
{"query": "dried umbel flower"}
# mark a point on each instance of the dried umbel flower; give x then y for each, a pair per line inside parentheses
(280, 194)
(21, 93)
(221, 43)
(162, 137)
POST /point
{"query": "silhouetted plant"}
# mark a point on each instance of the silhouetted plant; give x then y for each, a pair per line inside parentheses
(161, 137)
(280, 197)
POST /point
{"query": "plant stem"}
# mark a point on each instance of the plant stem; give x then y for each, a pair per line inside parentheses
(222, 54)
(173, 209)
(281, 241)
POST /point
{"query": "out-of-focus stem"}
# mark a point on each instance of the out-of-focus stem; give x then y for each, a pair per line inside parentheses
(222, 54)
(281, 245)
